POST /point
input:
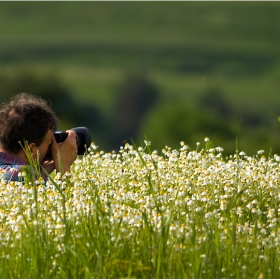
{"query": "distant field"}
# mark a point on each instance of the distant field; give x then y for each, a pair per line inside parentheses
(185, 47)
(234, 39)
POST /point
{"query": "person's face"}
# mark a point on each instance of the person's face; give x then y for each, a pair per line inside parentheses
(44, 147)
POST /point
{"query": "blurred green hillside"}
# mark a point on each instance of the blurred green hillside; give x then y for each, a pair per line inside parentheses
(197, 68)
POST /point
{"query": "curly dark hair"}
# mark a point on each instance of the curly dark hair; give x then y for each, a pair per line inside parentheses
(25, 118)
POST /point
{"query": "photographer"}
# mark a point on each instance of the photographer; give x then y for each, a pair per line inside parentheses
(28, 119)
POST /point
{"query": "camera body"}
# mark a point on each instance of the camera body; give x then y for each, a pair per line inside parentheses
(82, 138)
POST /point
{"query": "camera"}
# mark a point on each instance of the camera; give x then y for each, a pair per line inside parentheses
(82, 138)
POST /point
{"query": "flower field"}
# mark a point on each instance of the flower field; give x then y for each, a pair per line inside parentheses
(140, 213)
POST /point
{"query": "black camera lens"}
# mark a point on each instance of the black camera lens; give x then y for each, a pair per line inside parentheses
(82, 138)
(60, 136)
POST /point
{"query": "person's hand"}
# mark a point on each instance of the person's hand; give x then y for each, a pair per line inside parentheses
(65, 153)
(62, 154)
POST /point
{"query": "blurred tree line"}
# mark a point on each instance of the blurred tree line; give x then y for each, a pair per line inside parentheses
(139, 112)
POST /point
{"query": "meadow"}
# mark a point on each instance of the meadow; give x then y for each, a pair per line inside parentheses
(143, 213)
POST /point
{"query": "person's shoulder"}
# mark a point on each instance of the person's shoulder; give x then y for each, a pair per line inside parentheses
(8, 159)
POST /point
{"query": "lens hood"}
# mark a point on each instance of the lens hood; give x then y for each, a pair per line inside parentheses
(83, 139)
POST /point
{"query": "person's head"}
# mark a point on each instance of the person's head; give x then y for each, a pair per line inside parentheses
(26, 118)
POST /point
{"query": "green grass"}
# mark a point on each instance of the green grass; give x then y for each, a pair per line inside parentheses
(138, 213)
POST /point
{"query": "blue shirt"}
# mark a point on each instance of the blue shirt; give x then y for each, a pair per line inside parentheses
(11, 166)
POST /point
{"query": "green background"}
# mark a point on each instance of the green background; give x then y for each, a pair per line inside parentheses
(197, 68)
